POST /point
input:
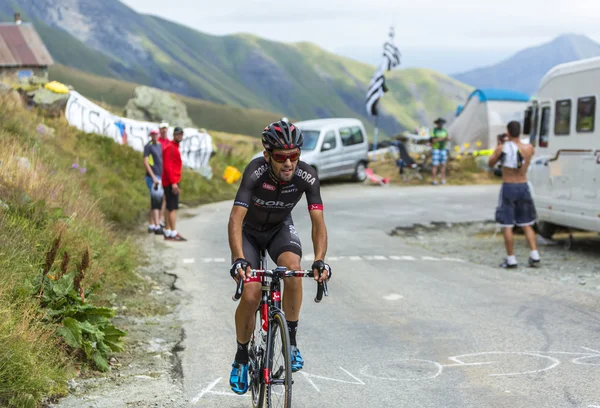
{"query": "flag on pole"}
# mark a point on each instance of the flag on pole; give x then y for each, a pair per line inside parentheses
(377, 87)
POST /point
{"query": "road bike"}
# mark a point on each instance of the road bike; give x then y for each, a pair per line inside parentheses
(269, 351)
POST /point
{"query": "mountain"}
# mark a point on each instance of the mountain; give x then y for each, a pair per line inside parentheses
(301, 81)
(524, 70)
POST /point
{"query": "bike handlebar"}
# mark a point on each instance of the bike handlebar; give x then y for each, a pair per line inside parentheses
(282, 273)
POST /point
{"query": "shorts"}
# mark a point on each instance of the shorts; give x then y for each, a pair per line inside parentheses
(171, 199)
(439, 157)
(281, 239)
(515, 206)
(155, 203)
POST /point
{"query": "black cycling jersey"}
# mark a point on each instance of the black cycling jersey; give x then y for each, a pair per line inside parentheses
(269, 201)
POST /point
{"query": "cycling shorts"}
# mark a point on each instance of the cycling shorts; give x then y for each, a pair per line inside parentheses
(276, 241)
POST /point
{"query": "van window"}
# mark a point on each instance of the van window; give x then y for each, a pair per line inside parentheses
(533, 133)
(545, 126)
(586, 113)
(330, 138)
(310, 139)
(351, 136)
(562, 119)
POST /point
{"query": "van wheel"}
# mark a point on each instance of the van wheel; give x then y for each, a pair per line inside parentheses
(546, 229)
(360, 173)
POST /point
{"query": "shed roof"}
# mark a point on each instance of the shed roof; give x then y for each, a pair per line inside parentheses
(20, 45)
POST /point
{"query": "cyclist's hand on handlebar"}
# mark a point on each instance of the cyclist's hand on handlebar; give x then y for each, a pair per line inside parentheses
(321, 268)
(239, 269)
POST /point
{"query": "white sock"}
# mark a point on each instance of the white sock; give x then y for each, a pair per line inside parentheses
(511, 260)
(167, 232)
(535, 255)
(152, 226)
(174, 233)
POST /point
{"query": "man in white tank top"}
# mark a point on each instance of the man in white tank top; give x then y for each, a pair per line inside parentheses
(515, 205)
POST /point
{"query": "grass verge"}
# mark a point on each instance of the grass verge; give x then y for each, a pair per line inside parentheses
(55, 180)
(465, 171)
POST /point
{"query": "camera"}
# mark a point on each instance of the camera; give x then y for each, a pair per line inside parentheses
(501, 137)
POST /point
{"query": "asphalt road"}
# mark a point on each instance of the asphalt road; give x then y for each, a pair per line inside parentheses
(402, 327)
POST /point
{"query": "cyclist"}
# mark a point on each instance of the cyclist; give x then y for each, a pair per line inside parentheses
(260, 219)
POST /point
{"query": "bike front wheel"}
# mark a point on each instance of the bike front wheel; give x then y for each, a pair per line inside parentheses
(279, 388)
(257, 350)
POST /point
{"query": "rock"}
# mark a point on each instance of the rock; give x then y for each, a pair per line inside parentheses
(72, 385)
(5, 88)
(53, 103)
(24, 163)
(153, 105)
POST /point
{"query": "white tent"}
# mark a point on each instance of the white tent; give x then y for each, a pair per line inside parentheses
(485, 115)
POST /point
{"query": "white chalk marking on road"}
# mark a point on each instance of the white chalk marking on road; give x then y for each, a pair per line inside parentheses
(207, 389)
(207, 260)
(219, 260)
(189, 261)
(596, 354)
(311, 382)
(353, 376)
(333, 258)
(355, 258)
(438, 366)
(379, 258)
(393, 296)
(468, 364)
(554, 361)
(226, 394)
(357, 382)
(593, 406)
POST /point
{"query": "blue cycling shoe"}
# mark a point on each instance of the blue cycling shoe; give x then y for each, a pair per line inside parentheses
(297, 361)
(238, 380)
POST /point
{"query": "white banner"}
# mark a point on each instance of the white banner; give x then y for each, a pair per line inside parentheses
(85, 115)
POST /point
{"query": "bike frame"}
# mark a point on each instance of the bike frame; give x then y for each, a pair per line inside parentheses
(270, 305)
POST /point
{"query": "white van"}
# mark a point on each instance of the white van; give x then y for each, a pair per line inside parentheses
(565, 171)
(335, 147)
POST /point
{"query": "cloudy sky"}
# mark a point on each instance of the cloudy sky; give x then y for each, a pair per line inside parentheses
(449, 36)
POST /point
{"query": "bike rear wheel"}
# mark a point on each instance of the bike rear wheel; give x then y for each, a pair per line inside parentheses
(257, 350)
(279, 390)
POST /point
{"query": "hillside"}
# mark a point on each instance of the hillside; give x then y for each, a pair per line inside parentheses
(56, 181)
(524, 70)
(301, 81)
(205, 114)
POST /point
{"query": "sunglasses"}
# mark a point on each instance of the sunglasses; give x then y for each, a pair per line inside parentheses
(282, 157)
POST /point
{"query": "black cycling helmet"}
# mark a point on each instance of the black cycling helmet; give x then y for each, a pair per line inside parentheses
(282, 135)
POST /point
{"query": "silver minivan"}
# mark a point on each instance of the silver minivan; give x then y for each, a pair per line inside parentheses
(335, 147)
